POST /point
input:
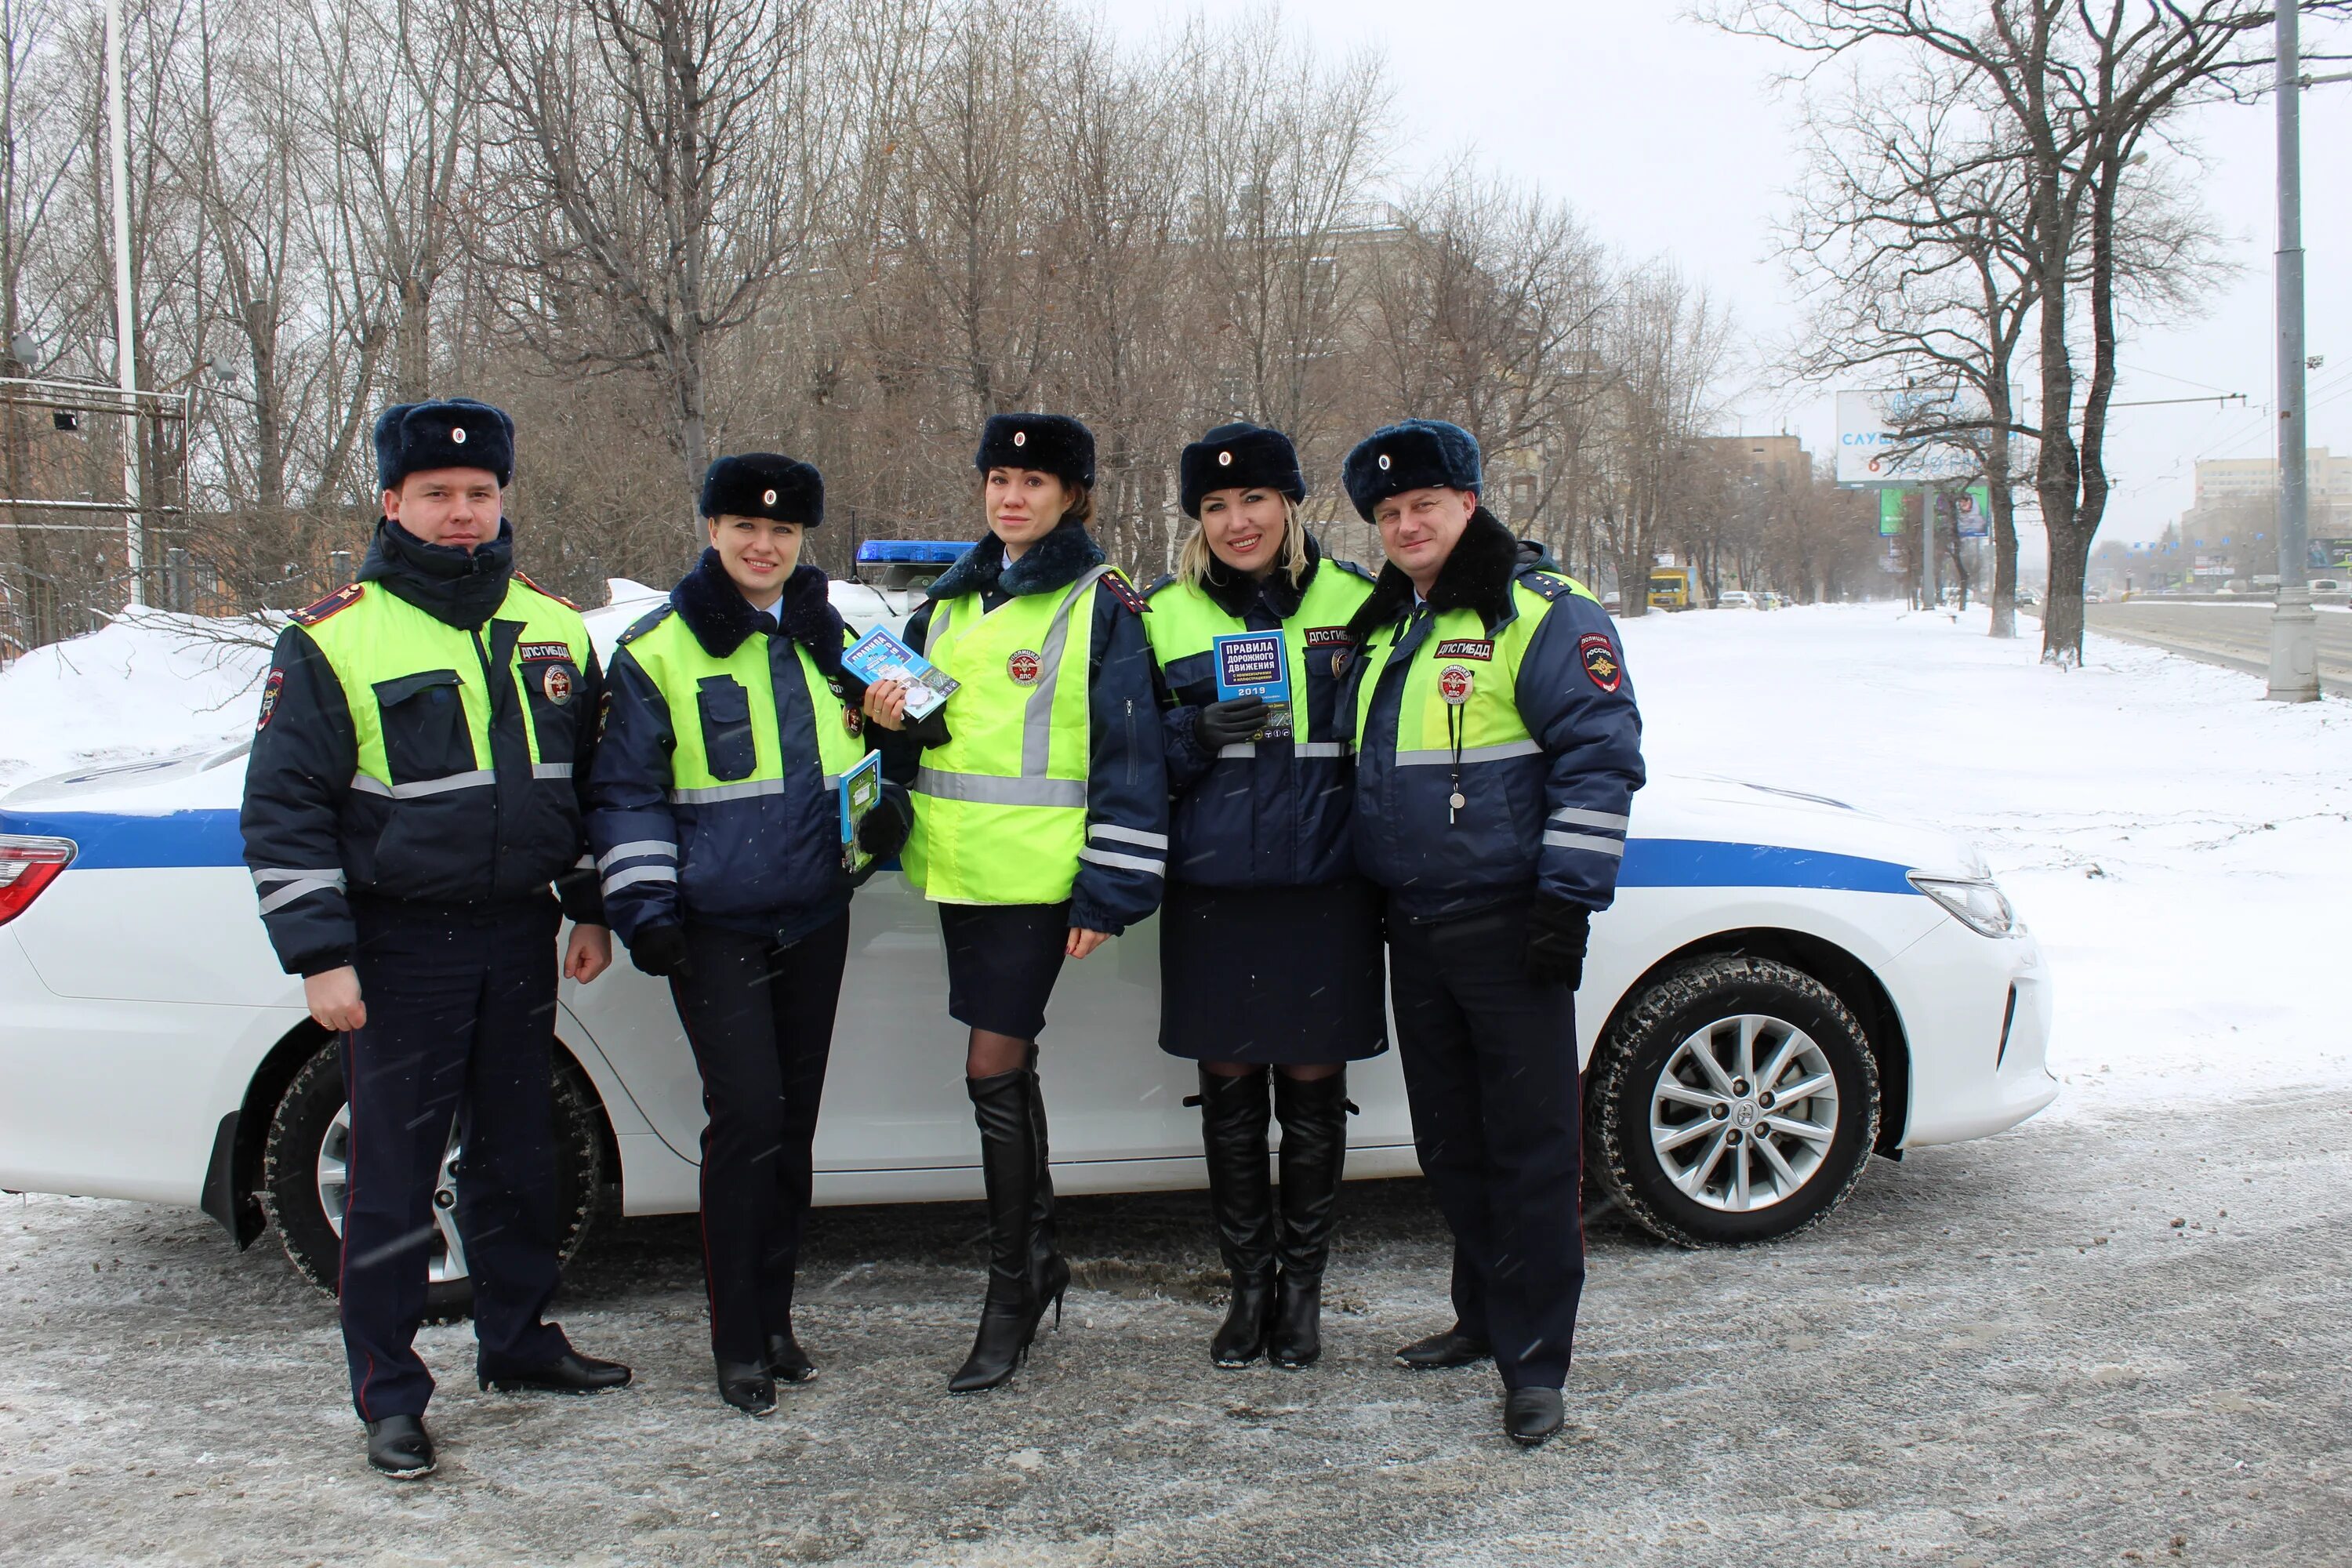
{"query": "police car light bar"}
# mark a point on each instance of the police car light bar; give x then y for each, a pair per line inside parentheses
(913, 551)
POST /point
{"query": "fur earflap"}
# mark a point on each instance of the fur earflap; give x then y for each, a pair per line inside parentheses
(764, 484)
(1051, 443)
(1417, 455)
(1238, 457)
(442, 433)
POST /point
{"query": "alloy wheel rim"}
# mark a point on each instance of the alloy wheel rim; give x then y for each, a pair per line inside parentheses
(1743, 1113)
(447, 1261)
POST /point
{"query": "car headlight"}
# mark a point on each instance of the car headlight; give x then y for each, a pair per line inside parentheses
(1976, 902)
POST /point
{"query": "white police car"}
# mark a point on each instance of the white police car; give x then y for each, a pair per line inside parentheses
(1784, 986)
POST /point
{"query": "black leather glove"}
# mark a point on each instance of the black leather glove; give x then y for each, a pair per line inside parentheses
(1228, 723)
(930, 729)
(1555, 936)
(884, 832)
(660, 949)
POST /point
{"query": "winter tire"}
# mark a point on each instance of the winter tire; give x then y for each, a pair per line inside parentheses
(303, 1179)
(1733, 1100)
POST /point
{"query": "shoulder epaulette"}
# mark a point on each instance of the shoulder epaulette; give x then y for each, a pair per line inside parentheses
(1170, 579)
(342, 598)
(525, 580)
(1351, 568)
(1547, 584)
(644, 623)
(1124, 591)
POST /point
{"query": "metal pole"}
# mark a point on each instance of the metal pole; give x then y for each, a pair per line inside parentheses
(126, 357)
(2295, 659)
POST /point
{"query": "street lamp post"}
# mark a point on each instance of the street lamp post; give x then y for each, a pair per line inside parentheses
(126, 355)
(2295, 658)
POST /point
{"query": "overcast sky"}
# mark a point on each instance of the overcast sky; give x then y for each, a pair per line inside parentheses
(1669, 137)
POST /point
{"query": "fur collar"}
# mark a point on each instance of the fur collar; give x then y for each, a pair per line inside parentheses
(716, 611)
(1477, 577)
(1232, 592)
(1053, 562)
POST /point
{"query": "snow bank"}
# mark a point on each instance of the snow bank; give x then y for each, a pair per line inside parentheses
(2179, 845)
(150, 684)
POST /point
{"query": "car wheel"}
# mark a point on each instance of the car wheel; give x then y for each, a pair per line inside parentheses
(306, 1180)
(1733, 1100)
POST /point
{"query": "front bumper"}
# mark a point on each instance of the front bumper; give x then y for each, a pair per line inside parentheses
(1976, 1011)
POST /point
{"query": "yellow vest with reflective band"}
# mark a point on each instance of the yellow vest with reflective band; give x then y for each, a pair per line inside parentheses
(1184, 621)
(1000, 809)
(711, 696)
(1459, 670)
(395, 663)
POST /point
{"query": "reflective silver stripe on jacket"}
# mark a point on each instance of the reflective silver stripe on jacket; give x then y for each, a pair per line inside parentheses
(1599, 846)
(1109, 830)
(993, 789)
(1037, 718)
(634, 874)
(749, 789)
(1444, 757)
(1124, 862)
(298, 884)
(1298, 749)
(1577, 817)
(551, 771)
(480, 778)
(661, 847)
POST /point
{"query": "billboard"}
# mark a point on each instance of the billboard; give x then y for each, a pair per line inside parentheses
(1870, 453)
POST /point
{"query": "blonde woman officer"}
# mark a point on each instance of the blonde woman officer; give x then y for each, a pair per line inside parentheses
(1270, 943)
(717, 831)
(1041, 816)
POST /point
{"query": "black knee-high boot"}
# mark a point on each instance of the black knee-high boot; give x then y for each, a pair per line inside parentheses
(1008, 1160)
(1049, 1272)
(1314, 1115)
(1233, 1114)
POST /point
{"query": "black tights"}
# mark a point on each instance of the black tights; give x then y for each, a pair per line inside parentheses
(1310, 1072)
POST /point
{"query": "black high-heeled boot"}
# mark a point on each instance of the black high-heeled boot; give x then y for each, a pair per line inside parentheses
(1314, 1116)
(1049, 1271)
(1233, 1114)
(1008, 1160)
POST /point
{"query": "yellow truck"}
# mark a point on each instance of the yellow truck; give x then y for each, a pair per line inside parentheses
(1670, 588)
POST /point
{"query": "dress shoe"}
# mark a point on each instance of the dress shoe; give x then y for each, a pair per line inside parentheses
(787, 1363)
(747, 1386)
(1441, 1351)
(570, 1373)
(399, 1446)
(1530, 1415)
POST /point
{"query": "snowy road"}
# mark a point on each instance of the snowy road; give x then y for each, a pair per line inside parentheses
(2237, 637)
(2112, 1335)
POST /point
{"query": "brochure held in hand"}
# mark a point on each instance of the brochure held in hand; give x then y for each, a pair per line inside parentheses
(1256, 664)
(879, 656)
(861, 791)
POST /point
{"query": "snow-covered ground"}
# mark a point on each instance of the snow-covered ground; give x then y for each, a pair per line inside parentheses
(2180, 847)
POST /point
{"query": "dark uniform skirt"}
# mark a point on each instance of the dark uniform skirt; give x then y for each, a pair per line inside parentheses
(1003, 961)
(1290, 976)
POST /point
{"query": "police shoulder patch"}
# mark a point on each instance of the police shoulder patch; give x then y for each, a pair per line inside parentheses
(1351, 568)
(524, 579)
(1545, 584)
(1599, 656)
(644, 623)
(1115, 581)
(1166, 581)
(341, 599)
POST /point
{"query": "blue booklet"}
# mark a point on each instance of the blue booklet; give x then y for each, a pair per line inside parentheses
(1255, 664)
(879, 656)
(861, 791)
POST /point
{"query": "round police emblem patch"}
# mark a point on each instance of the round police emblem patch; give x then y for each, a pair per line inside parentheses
(1224, 459)
(457, 435)
(1453, 684)
(1021, 438)
(769, 499)
(1024, 667)
(557, 684)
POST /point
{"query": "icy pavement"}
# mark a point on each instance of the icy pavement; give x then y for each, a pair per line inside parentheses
(2110, 1339)
(2180, 847)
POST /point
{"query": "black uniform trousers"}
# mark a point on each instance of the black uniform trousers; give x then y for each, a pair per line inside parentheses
(1490, 1061)
(760, 1018)
(460, 1020)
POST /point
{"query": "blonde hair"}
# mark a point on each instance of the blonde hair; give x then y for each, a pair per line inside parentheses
(1192, 561)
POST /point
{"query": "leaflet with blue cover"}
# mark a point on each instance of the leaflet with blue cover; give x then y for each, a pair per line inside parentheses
(861, 788)
(1255, 664)
(879, 656)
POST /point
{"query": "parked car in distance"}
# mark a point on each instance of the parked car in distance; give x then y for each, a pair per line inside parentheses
(1736, 599)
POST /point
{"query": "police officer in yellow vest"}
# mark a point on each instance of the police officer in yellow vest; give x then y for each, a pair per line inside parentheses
(1497, 750)
(415, 789)
(717, 829)
(1041, 816)
(1270, 940)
